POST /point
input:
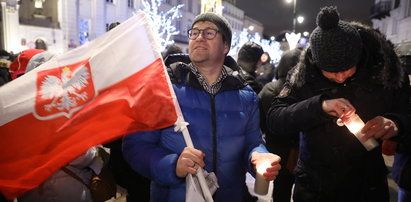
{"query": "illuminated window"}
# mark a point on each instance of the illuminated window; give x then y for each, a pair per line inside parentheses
(38, 3)
(83, 31)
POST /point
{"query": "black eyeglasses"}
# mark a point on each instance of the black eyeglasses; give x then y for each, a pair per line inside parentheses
(207, 33)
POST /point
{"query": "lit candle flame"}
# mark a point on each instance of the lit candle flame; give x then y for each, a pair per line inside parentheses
(262, 166)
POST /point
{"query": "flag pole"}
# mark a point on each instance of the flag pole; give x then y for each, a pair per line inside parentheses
(200, 174)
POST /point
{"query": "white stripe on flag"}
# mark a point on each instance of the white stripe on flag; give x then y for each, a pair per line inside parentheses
(109, 65)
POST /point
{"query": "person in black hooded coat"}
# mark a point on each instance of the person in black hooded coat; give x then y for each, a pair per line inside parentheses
(284, 146)
(347, 68)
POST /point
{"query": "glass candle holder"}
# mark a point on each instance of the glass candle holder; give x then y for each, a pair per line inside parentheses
(261, 185)
(354, 125)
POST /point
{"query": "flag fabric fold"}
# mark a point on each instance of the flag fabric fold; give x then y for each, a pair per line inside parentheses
(114, 85)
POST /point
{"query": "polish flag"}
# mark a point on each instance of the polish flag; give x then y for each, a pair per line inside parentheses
(114, 85)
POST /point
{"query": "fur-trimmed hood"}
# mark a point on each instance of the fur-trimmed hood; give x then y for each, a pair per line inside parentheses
(378, 56)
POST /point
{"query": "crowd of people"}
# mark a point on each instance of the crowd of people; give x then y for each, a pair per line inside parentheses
(246, 112)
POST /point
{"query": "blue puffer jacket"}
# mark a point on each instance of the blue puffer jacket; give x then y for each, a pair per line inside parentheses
(225, 127)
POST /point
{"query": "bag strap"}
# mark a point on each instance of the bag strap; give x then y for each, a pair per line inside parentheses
(72, 174)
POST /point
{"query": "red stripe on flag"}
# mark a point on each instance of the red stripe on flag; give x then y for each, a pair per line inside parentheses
(33, 149)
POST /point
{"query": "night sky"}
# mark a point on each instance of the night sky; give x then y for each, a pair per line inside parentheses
(276, 15)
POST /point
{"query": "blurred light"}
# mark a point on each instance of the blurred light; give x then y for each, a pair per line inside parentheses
(306, 33)
(292, 39)
(251, 28)
(272, 38)
(300, 19)
(288, 1)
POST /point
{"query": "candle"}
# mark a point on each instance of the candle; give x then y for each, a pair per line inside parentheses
(261, 185)
(354, 125)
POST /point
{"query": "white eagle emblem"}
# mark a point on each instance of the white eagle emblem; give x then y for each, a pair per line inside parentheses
(63, 90)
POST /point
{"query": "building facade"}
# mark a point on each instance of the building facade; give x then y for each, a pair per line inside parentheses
(61, 25)
(393, 19)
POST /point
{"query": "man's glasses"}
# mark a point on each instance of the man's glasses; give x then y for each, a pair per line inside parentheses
(207, 33)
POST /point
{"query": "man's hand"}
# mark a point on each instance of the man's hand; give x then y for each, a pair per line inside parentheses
(189, 161)
(379, 127)
(339, 107)
(273, 161)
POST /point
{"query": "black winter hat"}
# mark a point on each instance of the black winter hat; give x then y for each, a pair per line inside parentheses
(222, 24)
(335, 45)
(248, 56)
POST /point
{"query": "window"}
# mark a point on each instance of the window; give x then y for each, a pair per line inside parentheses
(396, 4)
(130, 3)
(190, 6)
(83, 31)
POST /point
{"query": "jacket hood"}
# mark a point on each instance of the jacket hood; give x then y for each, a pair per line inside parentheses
(378, 57)
(178, 70)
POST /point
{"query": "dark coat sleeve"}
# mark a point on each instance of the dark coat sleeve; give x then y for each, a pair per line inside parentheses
(290, 114)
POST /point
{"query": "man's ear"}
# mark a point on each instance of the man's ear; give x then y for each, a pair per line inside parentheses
(226, 48)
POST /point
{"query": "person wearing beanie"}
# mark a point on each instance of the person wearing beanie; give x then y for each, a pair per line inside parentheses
(171, 50)
(284, 146)
(19, 65)
(223, 117)
(248, 59)
(348, 68)
(266, 71)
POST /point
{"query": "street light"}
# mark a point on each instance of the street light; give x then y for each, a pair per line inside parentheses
(294, 12)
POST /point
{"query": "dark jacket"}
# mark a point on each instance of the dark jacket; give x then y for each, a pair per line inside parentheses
(401, 169)
(251, 79)
(225, 126)
(265, 72)
(333, 165)
(286, 146)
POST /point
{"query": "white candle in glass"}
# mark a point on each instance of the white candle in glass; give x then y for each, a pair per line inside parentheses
(354, 125)
(261, 185)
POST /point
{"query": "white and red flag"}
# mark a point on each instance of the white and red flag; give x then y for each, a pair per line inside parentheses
(114, 85)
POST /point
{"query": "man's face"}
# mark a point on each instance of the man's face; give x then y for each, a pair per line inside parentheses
(340, 77)
(203, 50)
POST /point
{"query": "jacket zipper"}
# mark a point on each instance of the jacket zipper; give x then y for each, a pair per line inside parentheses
(213, 122)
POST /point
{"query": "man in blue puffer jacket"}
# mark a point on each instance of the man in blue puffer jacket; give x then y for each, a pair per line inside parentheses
(224, 122)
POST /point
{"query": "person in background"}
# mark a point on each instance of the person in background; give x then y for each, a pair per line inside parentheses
(266, 70)
(347, 69)
(170, 50)
(284, 146)
(18, 66)
(5, 76)
(63, 187)
(137, 186)
(401, 168)
(223, 116)
(249, 59)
